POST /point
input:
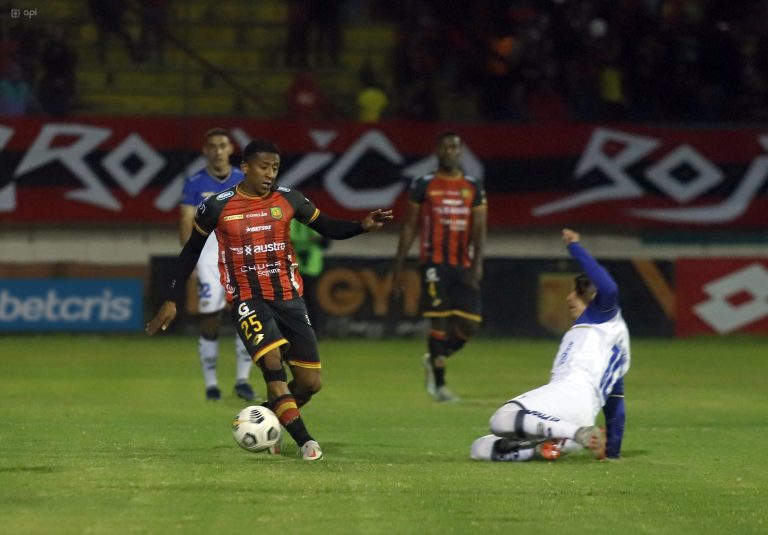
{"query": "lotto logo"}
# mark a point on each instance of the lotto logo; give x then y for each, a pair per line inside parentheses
(735, 300)
(722, 296)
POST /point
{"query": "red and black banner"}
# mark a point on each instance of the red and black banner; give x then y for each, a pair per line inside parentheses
(131, 170)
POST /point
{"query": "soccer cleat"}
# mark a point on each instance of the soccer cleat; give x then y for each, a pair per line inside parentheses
(592, 438)
(245, 391)
(429, 374)
(212, 393)
(311, 451)
(549, 450)
(445, 395)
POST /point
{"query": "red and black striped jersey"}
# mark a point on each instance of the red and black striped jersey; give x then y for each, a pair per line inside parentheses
(446, 217)
(256, 258)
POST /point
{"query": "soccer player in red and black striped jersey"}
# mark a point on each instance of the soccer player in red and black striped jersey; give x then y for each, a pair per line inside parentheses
(260, 274)
(450, 210)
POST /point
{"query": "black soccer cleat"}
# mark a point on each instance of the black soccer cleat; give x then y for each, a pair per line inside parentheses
(245, 391)
(212, 393)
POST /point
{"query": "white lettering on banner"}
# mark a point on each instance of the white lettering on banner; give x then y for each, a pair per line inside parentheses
(95, 191)
(615, 167)
(724, 317)
(151, 163)
(72, 157)
(105, 307)
(347, 196)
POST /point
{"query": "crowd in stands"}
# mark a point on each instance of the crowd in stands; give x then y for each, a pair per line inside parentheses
(509, 60)
(37, 70)
(534, 60)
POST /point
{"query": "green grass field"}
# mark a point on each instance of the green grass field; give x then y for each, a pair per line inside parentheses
(111, 435)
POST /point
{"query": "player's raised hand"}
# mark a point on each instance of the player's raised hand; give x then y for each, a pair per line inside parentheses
(162, 319)
(376, 219)
(570, 236)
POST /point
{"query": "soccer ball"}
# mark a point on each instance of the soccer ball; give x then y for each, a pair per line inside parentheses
(256, 428)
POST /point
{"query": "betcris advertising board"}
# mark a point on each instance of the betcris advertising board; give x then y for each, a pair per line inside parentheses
(71, 305)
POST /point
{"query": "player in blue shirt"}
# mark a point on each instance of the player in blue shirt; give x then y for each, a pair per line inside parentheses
(587, 376)
(217, 175)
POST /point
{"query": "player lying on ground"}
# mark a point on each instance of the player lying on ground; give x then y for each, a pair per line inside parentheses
(259, 272)
(587, 375)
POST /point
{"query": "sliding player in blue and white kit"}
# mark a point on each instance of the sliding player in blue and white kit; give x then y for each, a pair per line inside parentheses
(217, 175)
(587, 376)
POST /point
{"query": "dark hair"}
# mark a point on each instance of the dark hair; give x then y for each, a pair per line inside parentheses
(259, 145)
(218, 131)
(584, 287)
(444, 134)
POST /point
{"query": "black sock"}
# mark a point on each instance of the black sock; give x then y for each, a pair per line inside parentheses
(298, 432)
(439, 374)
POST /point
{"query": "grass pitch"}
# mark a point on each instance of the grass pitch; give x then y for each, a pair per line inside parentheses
(112, 435)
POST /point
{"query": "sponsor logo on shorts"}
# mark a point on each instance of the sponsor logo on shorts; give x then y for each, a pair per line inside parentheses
(243, 310)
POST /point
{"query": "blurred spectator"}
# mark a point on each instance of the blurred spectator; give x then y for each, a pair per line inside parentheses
(108, 15)
(305, 100)
(56, 89)
(371, 100)
(420, 101)
(297, 38)
(154, 28)
(16, 96)
(326, 16)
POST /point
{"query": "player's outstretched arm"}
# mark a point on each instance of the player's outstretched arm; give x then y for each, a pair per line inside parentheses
(607, 289)
(340, 229)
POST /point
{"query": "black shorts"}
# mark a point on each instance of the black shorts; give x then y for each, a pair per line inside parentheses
(265, 325)
(449, 291)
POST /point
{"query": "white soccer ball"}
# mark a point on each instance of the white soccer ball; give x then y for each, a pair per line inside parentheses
(256, 428)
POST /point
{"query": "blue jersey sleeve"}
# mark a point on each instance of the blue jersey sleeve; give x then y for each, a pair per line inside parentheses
(607, 298)
(190, 195)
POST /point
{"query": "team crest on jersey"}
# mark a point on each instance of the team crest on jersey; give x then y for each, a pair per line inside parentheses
(276, 212)
(224, 195)
(465, 193)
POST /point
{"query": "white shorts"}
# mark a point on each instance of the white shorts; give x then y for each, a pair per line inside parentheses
(561, 400)
(210, 293)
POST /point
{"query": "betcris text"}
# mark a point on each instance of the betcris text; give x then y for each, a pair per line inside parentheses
(71, 304)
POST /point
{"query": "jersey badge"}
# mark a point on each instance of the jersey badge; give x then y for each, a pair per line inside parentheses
(283, 189)
(276, 212)
(224, 195)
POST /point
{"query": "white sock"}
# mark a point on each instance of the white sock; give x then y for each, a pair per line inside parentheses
(209, 354)
(244, 361)
(507, 423)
